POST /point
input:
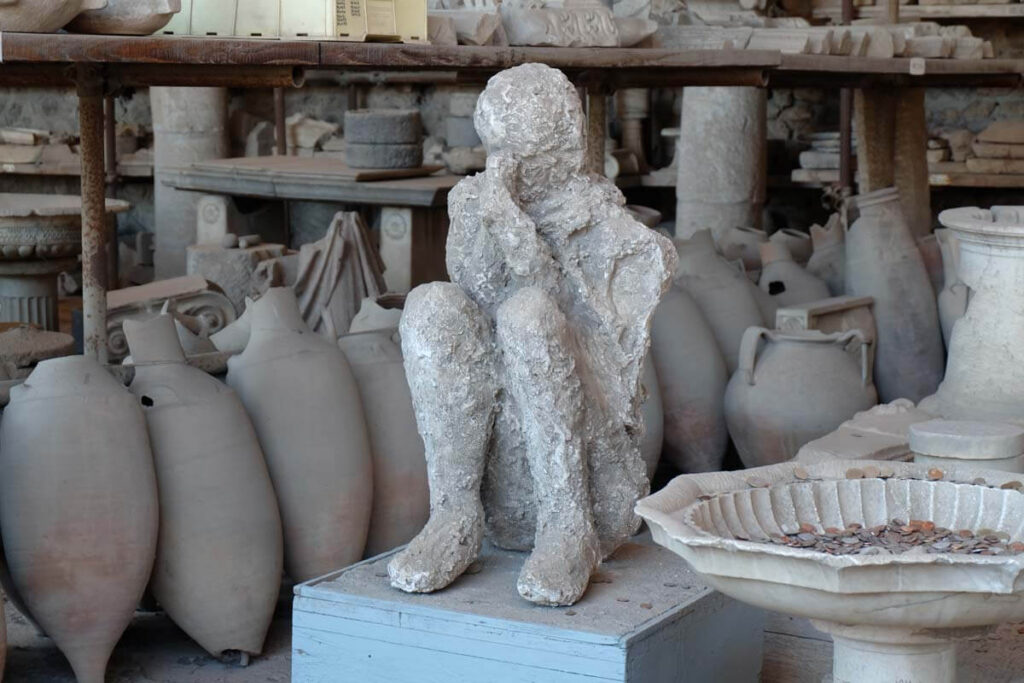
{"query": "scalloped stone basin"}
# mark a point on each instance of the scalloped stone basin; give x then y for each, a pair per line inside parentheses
(893, 617)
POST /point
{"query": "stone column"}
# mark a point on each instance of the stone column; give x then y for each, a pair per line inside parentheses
(721, 154)
(189, 125)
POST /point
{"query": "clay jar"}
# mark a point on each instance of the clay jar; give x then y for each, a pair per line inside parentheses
(954, 293)
(219, 558)
(882, 261)
(792, 388)
(786, 281)
(798, 243)
(692, 376)
(401, 496)
(299, 390)
(828, 262)
(78, 506)
(126, 17)
(743, 244)
(42, 16)
(653, 413)
(723, 293)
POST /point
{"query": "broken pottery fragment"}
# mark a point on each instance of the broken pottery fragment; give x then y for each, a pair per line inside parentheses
(794, 387)
(299, 391)
(401, 497)
(219, 557)
(743, 244)
(722, 291)
(883, 262)
(526, 369)
(79, 546)
(881, 433)
(828, 262)
(692, 375)
(126, 17)
(798, 242)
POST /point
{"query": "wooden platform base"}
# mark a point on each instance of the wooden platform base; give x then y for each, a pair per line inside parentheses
(645, 619)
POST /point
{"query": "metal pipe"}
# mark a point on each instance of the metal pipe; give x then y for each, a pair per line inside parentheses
(110, 155)
(94, 215)
(597, 126)
(280, 129)
(205, 75)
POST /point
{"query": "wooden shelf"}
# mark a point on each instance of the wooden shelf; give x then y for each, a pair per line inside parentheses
(935, 178)
(927, 12)
(129, 170)
(29, 59)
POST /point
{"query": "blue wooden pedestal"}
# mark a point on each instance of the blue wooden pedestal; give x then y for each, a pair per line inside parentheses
(645, 619)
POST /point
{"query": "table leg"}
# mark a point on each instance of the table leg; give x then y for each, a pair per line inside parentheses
(94, 218)
(110, 154)
(412, 246)
(280, 124)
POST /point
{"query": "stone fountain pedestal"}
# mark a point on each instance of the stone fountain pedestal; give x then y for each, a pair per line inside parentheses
(871, 653)
(644, 619)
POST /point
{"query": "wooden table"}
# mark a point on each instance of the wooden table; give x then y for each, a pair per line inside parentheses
(98, 66)
(413, 220)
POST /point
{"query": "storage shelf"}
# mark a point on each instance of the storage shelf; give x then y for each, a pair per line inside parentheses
(928, 12)
(29, 59)
(935, 178)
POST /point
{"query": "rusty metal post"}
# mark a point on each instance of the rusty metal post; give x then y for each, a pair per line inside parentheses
(94, 215)
(110, 154)
(280, 129)
(597, 126)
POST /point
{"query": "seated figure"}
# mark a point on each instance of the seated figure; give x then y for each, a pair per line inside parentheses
(525, 369)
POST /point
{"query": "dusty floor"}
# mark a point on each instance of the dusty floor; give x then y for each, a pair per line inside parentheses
(153, 650)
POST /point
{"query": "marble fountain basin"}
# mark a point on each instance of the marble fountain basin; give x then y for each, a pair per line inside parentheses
(892, 616)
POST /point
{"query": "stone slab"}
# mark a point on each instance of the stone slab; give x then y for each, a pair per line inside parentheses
(647, 618)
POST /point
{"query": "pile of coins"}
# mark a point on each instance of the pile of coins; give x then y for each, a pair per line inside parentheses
(898, 537)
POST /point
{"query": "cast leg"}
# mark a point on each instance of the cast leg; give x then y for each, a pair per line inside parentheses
(542, 378)
(449, 362)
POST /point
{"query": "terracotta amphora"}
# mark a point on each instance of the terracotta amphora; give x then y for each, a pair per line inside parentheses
(828, 262)
(78, 506)
(42, 16)
(401, 495)
(798, 243)
(794, 387)
(299, 390)
(219, 558)
(721, 290)
(883, 261)
(785, 280)
(126, 17)
(692, 376)
(653, 412)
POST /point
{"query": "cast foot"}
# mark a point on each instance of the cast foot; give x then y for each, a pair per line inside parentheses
(558, 571)
(448, 544)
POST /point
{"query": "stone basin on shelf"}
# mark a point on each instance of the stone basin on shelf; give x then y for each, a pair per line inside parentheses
(892, 616)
